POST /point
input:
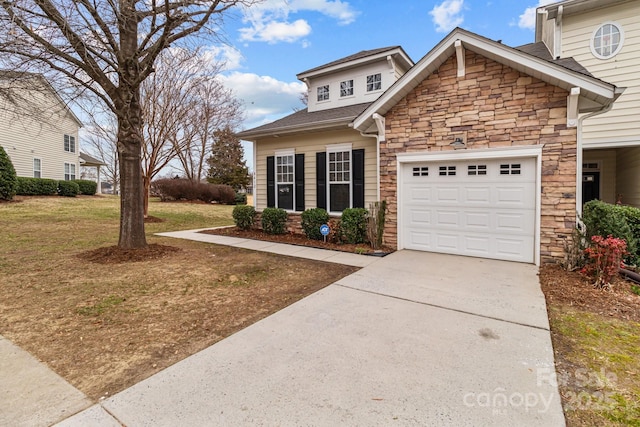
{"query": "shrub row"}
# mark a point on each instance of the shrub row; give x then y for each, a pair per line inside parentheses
(183, 189)
(48, 187)
(622, 222)
(352, 227)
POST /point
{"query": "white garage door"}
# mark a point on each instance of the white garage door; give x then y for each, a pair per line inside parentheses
(483, 208)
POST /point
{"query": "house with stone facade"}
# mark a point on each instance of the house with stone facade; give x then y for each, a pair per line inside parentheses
(474, 147)
(603, 36)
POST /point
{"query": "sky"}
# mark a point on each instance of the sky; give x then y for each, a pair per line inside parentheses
(269, 43)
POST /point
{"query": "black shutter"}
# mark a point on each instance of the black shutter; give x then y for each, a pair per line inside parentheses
(271, 182)
(299, 176)
(358, 178)
(321, 180)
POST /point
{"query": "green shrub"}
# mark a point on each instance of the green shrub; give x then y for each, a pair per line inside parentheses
(68, 188)
(241, 198)
(353, 225)
(36, 186)
(8, 178)
(244, 216)
(87, 187)
(312, 219)
(274, 220)
(604, 219)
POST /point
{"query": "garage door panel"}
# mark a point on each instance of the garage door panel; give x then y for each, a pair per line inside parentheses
(491, 214)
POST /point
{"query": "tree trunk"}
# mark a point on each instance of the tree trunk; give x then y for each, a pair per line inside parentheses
(132, 235)
(147, 190)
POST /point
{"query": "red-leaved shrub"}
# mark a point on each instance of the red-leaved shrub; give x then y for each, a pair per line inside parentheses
(183, 189)
(604, 258)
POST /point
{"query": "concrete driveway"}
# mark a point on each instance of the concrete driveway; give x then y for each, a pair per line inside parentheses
(412, 339)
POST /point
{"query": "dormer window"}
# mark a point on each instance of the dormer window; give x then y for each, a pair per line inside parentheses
(607, 40)
(346, 88)
(323, 93)
(374, 82)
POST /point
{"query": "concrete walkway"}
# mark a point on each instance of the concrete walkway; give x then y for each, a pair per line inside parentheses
(336, 257)
(412, 339)
(31, 394)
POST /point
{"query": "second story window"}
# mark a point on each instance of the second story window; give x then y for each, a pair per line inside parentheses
(374, 82)
(607, 40)
(70, 143)
(323, 93)
(346, 88)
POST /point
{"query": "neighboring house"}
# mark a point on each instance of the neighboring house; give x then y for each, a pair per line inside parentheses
(474, 148)
(604, 36)
(37, 129)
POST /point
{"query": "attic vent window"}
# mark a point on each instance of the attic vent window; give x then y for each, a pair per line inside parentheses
(607, 40)
(374, 82)
(323, 93)
(346, 88)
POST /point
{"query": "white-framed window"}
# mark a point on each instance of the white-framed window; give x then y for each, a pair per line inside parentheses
(323, 93)
(374, 82)
(346, 88)
(607, 40)
(37, 168)
(339, 177)
(69, 171)
(70, 143)
(285, 179)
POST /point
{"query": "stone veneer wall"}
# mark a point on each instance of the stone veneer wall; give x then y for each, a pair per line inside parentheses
(492, 106)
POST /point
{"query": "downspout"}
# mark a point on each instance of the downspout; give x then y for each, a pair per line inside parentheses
(379, 136)
(579, 156)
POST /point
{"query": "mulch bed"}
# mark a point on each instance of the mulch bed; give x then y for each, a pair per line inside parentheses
(297, 239)
(576, 290)
(116, 255)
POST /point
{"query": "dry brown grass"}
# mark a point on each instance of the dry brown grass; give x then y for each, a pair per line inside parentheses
(104, 327)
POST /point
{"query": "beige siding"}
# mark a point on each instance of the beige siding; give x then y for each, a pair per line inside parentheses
(607, 162)
(621, 124)
(359, 77)
(310, 144)
(628, 177)
(39, 134)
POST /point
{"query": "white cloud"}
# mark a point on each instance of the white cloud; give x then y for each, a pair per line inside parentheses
(447, 15)
(528, 18)
(269, 20)
(274, 32)
(231, 56)
(265, 98)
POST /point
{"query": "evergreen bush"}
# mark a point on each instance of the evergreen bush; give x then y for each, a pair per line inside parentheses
(274, 220)
(244, 216)
(8, 178)
(87, 187)
(68, 189)
(312, 219)
(353, 225)
(36, 186)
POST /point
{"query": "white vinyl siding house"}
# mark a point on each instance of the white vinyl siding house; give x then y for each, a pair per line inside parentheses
(45, 135)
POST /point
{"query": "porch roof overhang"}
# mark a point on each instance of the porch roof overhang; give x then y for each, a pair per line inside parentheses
(305, 121)
(87, 160)
(594, 93)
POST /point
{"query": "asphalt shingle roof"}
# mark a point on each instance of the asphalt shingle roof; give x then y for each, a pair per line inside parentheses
(355, 56)
(539, 50)
(303, 117)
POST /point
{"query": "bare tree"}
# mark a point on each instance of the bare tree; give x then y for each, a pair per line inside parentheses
(108, 47)
(101, 141)
(215, 108)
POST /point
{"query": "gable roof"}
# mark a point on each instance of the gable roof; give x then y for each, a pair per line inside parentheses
(87, 160)
(594, 93)
(22, 78)
(540, 50)
(303, 120)
(359, 58)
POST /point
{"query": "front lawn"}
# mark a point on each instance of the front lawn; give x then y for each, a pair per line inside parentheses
(596, 339)
(105, 326)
